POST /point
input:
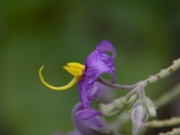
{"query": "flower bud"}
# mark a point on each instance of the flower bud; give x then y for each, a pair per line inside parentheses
(149, 102)
(151, 111)
(150, 106)
(139, 116)
(115, 107)
(139, 129)
(132, 99)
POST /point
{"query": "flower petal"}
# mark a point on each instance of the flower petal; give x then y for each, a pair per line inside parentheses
(97, 63)
(101, 92)
(94, 126)
(96, 123)
(87, 114)
(87, 127)
(106, 46)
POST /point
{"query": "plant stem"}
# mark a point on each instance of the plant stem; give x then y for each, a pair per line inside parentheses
(152, 79)
(163, 73)
(175, 131)
(168, 96)
(164, 123)
(117, 86)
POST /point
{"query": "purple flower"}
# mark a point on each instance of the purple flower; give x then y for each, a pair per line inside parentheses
(97, 63)
(96, 125)
(88, 127)
(93, 126)
(139, 116)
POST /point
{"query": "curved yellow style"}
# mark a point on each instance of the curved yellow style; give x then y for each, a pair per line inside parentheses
(73, 81)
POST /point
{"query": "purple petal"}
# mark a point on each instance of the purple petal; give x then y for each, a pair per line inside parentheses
(106, 46)
(102, 92)
(84, 94)
(96, 123)
(87, 114)
(94, 91)
(94, 126)
(87, 127)
(97, 63)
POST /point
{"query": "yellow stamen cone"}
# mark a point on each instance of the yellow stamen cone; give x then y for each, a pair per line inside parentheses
(73, 71)
(76, 65)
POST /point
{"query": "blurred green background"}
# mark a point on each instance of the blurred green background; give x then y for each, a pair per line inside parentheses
(146, 35)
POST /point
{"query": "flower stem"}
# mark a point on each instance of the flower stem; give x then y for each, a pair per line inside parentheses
(152, 79)
(117, 86)
(166, 98)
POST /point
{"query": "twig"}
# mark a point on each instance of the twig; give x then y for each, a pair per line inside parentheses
(168, 96)
(164, 123)
(117, 86)
(152, 79)
(164, 72)
(159, 102)
(175, 131)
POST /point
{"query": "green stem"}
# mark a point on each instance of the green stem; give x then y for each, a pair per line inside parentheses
(168, 96)
(152, 79)
(175, 131)
(164, 123)
(163, 73)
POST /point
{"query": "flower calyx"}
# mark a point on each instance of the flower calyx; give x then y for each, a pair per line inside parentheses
(114, 108)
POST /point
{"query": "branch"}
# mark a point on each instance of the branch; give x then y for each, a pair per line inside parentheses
(168, 96)
(175, 131)
(159, 102)
(164, 123)
(117, 86)
(164, 72)
(152, 79)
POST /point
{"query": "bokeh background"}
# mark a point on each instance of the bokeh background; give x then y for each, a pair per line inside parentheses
(146, 35)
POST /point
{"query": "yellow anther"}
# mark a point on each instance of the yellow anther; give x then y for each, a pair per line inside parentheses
(76, 69)
(74, 81)
(76, 65)
(73, 71)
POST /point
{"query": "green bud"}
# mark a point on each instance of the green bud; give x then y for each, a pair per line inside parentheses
(133, 99)
(115, 107)
(140, 101)
(151, 111)
(149, 102)
(150, 106)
